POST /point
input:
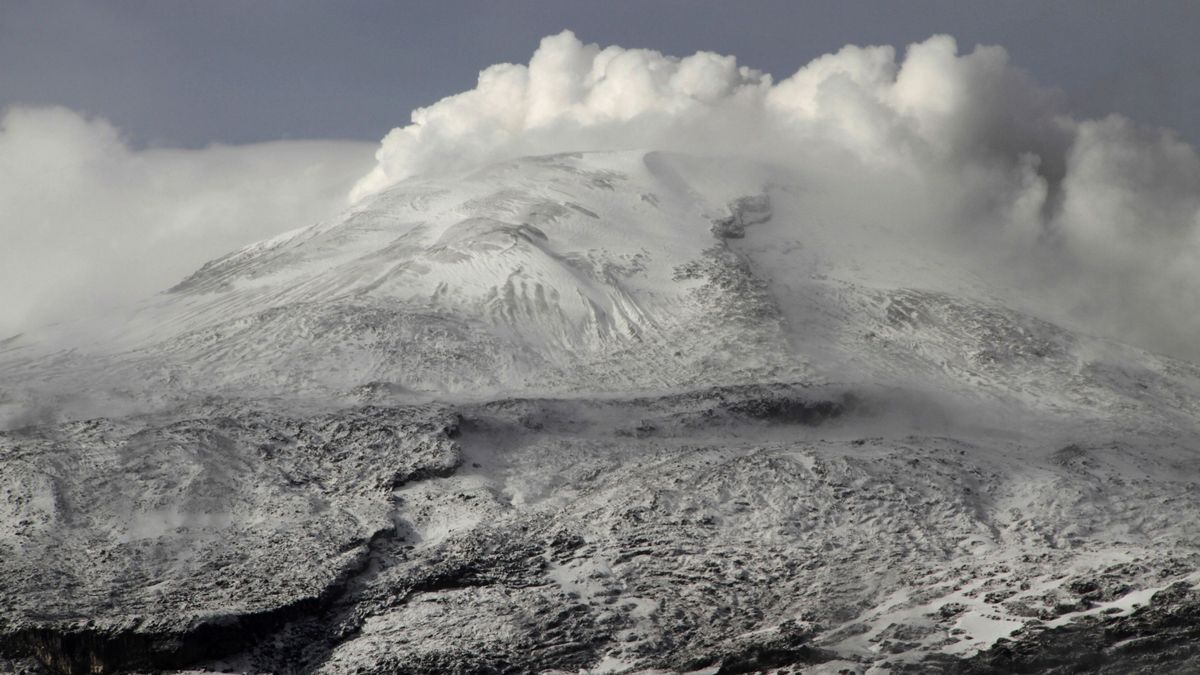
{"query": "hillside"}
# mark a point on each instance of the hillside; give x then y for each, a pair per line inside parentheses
(614, 412)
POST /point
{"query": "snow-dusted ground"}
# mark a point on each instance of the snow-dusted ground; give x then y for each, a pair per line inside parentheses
(684, 420)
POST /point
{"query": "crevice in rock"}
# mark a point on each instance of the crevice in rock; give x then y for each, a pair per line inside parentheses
(87, 649)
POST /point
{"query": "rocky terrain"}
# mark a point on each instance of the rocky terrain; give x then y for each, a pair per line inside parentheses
(622, 412)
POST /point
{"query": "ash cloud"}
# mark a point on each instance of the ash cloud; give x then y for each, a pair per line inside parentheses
(87, 222)
(1098, 220)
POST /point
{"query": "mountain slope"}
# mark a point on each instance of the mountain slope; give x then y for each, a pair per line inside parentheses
(589, 273)
(611, 411)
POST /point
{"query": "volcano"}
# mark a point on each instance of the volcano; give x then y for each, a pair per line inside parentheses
(627, 411)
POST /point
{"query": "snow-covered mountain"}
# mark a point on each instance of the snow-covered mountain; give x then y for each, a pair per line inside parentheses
(599, 411)
(585, 274)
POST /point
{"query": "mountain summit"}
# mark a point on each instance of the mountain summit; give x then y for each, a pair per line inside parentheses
(615, 412)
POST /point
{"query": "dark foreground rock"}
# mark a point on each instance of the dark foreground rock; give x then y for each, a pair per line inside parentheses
(1162, 637)
(729, 529)
(157, 543)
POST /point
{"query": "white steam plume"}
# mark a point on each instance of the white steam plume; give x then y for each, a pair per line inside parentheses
(87, 222)
(1101, 214)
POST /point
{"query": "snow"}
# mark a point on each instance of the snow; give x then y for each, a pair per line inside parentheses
(639, 465)
(982, 630)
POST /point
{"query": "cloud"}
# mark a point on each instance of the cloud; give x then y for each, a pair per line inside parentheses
(87, 222)
(1099, 219)
(574, 96)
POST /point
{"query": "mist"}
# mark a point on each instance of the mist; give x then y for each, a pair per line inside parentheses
(1096, 221)
(88, 222)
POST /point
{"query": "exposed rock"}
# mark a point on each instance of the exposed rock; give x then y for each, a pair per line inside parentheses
(653, 450)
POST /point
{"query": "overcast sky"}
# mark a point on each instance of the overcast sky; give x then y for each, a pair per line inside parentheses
(171, 73)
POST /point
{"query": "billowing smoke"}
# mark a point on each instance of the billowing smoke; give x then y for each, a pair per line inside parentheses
(87, 222)
(1100, 216)
(574, 96)
(963, 152)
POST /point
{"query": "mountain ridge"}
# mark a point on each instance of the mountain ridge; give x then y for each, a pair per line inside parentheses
(625, 411)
